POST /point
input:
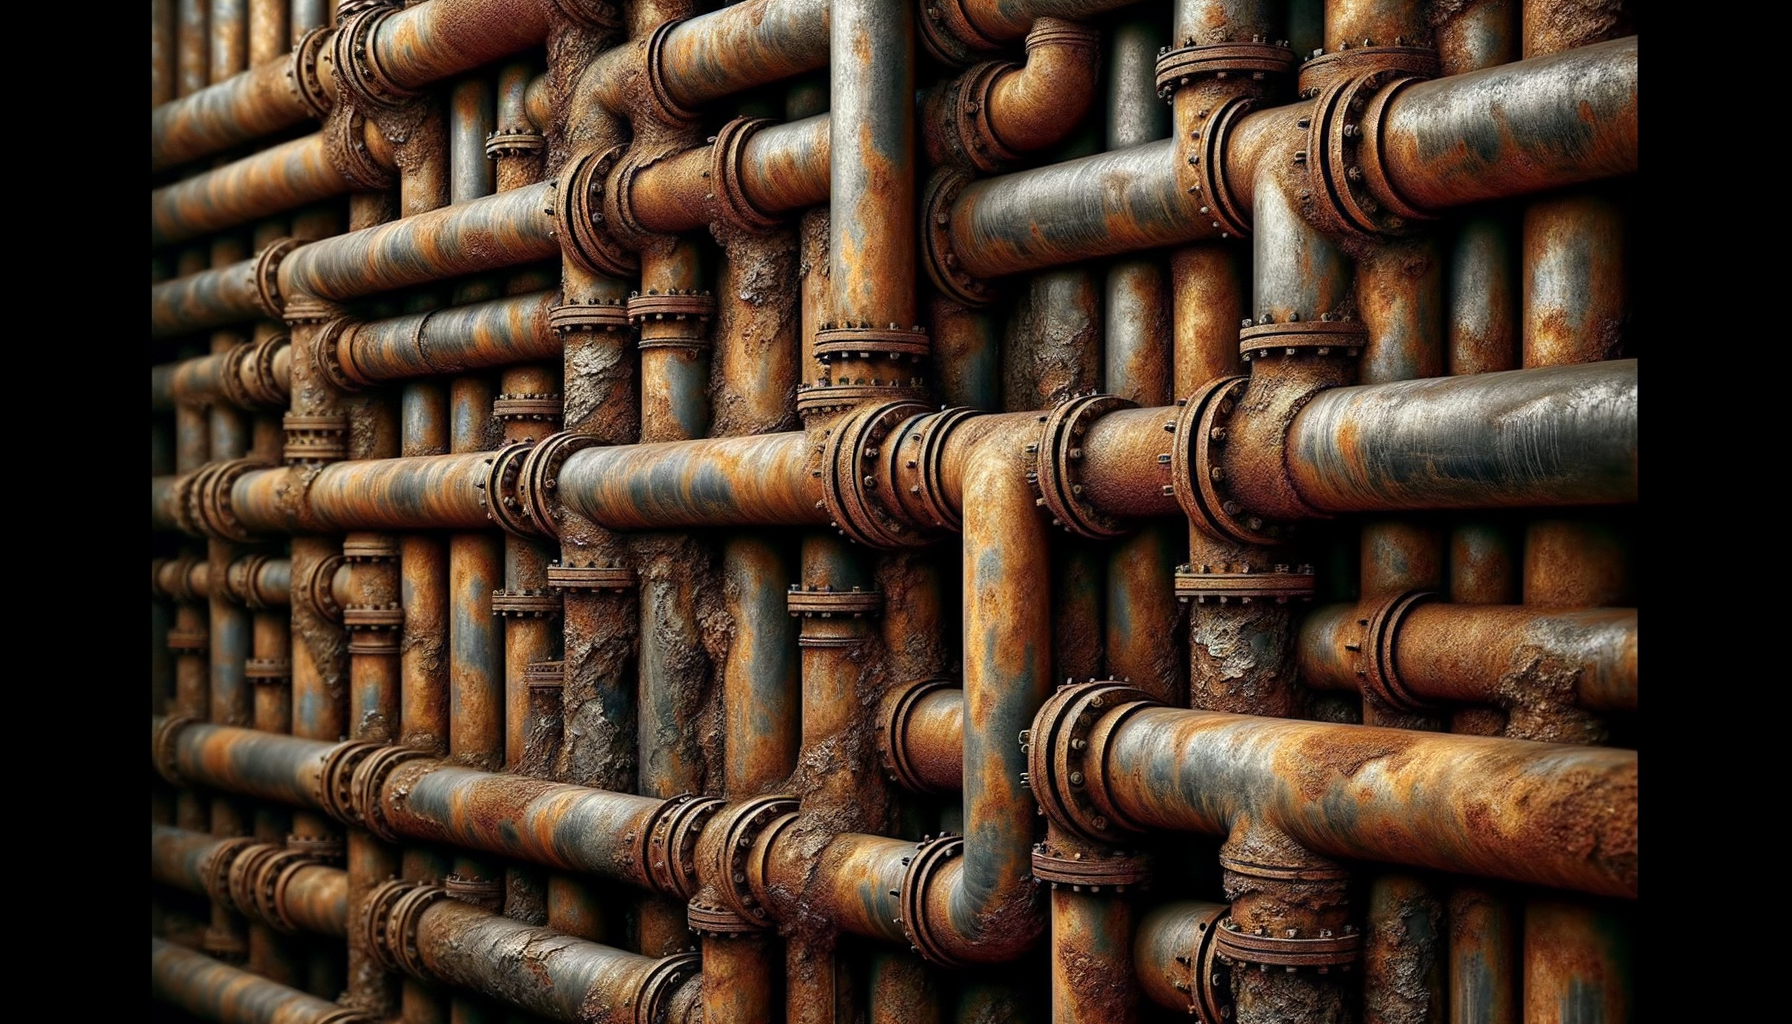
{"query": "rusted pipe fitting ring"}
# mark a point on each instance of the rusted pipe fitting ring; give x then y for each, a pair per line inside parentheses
(268, 671)
(1204, 173)
(180, 506)
(321, 849)
(826, 397)
(892, 731)
(224, 944)
(1375, 658)
(544, 675)
(539, 485)
(215, 514)
(514, 142)
(500, 493)
(526, 603)
(624, 227)
(1186, 65)
(1116, 871)
(238, 376)
(1058, 457)
(847, 340)
(332, 788)
(370, 548)
(334, 361)
(162, 744)
(578, 212)
(527, 408)
(278, 878)
(1370, 158)
(241, 874)
(746, 834)
(1058, 756)
(598, 14)
(706, 916)
(301, 72)
(375, 920)
(594, 315)
(345, 135)
(916, 469)
(196, 641)
(302, 308)
(314, 439)
(264, 276)
(1320, 72)
(1324, 951)
(242, 579)
(662, 980)
(315, 590)
(829, 602)
(616, 579)
(672, 843)
(649, 314)
(401, 930)
(357, 61)
(1243, 583)
(367, 781)
(373, 628)
(949, 36)
(1322, 337)
(216, 869)
(851, 464)
(968, 133)
(726, 152)
(484, 893)
(930, 857)
(266, 387)
(664, 108)
(1343, 153)
(180, 573)
(1198, 475)
(943, 266)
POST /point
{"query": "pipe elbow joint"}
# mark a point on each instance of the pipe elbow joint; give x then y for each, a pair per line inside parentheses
(948, 927)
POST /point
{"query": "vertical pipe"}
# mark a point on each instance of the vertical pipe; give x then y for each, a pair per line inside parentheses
(1483, 955)
(163, 73)
(1577, 963)
(268, 31)
(194, 46)
(229, 34)
(902, 990)
(470, 120)
(871, 233)
(309, 14)
(475, 569)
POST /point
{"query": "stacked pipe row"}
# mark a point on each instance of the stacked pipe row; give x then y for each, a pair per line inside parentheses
(684, 493)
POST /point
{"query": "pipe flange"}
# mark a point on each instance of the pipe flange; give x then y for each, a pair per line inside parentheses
(373, 628)
(180, 585)
(1203, 174)
(650, 313)
(598, 14)
(916, 469)
(264, 276)
(1343, 151)
(189, 641)
(664, 108)
(241, 579)
(501, 495)
(1188, 64)
(401, 931)
(619, 197)
(268, 671)
(526, 603)
(320, 849)
(663, 979)
(1323, 70)
(314, 439)
(1397, 211)
(970, 136)
(591, 315)
(346, 1016)
(826, 397)
(179, 507)
(578, 211)
(1057, 749)
(892, 732)
(300, 308)
(302, 80)
(1323, 337)
(332, 788)
(949, 36)
(847, 340)
(224, 945)
(1058, 461)
(851, 466)
(334, 361)
(375, 920)
(616, 579)
(746, 829)
(944, 268)
(236, 380)
(241, 876)
(267, 886)
(1197, 473)
(527, 408)
(514, 142)
(827, 603)
(1289, 950)
(917, 924)
(357, 61)
(266, 388)
(484, 893)
(370, 774)
(706, 916)
(540, 482)
(316, 590)
(369, 548)
(216, 514)
(345, 146)
(544, 675)
(216, 869)
(1116, 871)
(727, 149)
(1243, 582)
(1375, 655)
(672, 843)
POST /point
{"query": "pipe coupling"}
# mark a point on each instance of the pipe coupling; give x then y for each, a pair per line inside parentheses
(590, 315)
(949, 36)
(1115, 870)
(858, 481)
(527, 407)
(349, 141)
(1349, 193)
(731, 855)
(1321, 70)
(1192, 63)
(1375, 664)
(246, 584)
(652, 997)
(675, 319)
(1064, 751)
(357, 60)
(249, 380)
(661, 105)
(332, 786)
(173, 578)
(672, 834)
(264, 276)
(1057, 459)
(944, 268)
(313, 440)
(164, 743)
(302, 79)
(485, 893)
(208, 493)
(958, 116)
(578, 211)
(258, 881)
(727, 151)
(367, 783)
(926, 936)
(893, 732)
(388, 924)
(1243, 582)
(1203, 171)
(592, 578)
(1199, 981)
(1289, 905)
(216, 869)
(501, 492)
(527, 603)
(539, 488)
(314, 589)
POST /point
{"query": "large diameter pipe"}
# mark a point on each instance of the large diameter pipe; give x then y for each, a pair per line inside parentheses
(871, 235)
(246, 106)
(267, 766)
(435, 492)
(1542, 813)
(276, 179)
(742, 46)
(215, 991)
(210, 298)
(494, 333)
(1554, 436)
(427, 43)
(713, 482)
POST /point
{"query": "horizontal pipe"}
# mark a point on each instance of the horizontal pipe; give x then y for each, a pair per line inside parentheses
(1165, 953)
(763, 480)
(272, 181)
(314, 897)
(215, 991)
(267, 766)
(245, 106)
(744, 45)
(483, 234)
(1542, 813)
(177, 857)
(427, 43)
(433, 492)
(495, 333)
(210, 298)
(206, 380)
(1553, 436)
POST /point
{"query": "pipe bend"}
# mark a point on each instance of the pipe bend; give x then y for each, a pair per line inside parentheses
(1040, 102)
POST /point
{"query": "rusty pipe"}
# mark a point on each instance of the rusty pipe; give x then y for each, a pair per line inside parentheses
(214, 991)
(1174, 959)
(245, 106)
(267, 766)
(497, 332)
(209, 298)
(871, 144)
(996, 111)
(778, 169)
(272, 181)
(251, 375)
(300, 894)
(716, 481)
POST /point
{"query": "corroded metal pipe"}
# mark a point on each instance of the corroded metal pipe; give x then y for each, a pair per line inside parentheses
(254, 103)
(275, 180)
(217, 992)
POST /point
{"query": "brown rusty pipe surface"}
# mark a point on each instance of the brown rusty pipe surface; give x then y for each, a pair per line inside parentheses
(1167, 955)
(442, 491)
(1035, 105)
(924, 737)
(782, 168)
(267, 766)
(313, 897)
(246, 106)
(272, 181)
(1543, 813)
(497, 332)
(215, 991)
(1552, 436)
(258, 371)
(710, 482)
(209, 298)
(723, 52)
(419, 45)
(1121, 471)
(1486, 654)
